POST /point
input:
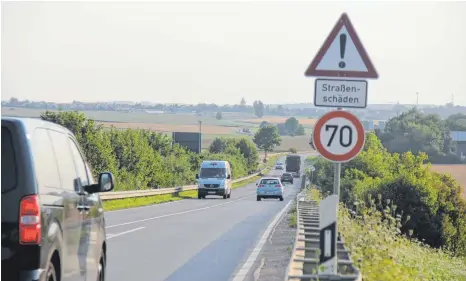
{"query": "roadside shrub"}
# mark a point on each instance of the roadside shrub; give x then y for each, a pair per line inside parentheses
(432, 200)
(141, 159)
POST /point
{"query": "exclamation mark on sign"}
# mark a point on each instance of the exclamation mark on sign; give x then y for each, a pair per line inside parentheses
(342, 64)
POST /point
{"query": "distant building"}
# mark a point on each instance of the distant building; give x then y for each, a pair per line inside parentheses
(459, 138)
(381, 125)
(368, 125)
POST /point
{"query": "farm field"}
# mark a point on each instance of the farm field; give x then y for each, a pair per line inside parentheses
(280, 119)
(456, 171)
(185, 122)
(207, 129)
(230, 119)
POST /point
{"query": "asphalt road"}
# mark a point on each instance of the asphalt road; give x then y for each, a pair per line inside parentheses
(191, 239)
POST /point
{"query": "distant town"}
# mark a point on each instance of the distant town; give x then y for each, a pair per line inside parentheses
(371, 115)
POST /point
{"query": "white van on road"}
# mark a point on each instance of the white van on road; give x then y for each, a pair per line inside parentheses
(214, 178)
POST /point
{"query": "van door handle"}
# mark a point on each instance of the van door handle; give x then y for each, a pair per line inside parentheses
(83, 208)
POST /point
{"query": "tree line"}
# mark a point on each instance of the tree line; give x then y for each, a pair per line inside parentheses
(142, 159)
(429, 203)
(417, 132)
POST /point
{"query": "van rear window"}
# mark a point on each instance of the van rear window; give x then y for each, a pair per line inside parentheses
(8, 162)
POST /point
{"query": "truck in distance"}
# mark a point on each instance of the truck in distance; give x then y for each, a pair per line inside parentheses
(293, 165)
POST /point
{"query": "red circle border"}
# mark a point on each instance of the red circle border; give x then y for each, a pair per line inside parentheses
(337, 157)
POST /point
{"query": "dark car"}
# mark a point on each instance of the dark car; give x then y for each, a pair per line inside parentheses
(287, 177)
(53, 225)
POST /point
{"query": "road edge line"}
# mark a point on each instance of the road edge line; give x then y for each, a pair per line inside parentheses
(244, 270)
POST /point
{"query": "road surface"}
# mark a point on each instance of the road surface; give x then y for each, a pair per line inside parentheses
(191, 239)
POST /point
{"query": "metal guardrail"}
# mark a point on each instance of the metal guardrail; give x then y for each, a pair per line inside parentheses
(174, 190)
(304, 262)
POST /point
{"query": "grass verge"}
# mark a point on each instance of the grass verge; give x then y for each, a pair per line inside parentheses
(382, 253)
(292, 219)
(118, 204)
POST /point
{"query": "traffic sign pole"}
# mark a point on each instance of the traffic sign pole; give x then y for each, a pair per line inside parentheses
(341, 66)
(339, 137)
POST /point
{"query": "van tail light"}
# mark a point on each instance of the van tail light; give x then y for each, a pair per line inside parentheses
(260, 185)
(29, 220)
(278, 185)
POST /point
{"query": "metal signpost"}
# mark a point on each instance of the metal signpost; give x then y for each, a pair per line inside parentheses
(340, 65)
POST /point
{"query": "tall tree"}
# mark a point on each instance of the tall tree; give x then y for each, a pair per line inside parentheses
(258, 108)
(292, 125)
(267, 138)
(243, 102)
(219, 115)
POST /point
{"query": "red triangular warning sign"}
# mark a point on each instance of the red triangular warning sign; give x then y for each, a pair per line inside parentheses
(342, 54)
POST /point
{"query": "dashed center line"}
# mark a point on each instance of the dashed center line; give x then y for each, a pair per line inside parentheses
(178, 213)
(110, 236)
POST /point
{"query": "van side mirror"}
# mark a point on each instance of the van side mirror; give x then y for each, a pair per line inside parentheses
(197, 176)
(229, 176)
(106, 182)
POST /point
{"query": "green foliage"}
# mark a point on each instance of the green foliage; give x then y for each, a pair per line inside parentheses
(373, 236)
(141, 159)
(433, 201)
(456, 122)
(416, 132)
(258, 108)
(291, 127)
(242, 146)
(218, 116)
(292, 150)
(267, 138)
(264, 124)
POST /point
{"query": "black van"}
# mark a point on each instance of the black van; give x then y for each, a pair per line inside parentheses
(53, 225)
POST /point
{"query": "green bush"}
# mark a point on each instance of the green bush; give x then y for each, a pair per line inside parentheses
(372, 235)
(432, 200)
(141, 159)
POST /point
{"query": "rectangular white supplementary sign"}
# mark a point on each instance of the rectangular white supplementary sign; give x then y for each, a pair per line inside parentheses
(340, 93)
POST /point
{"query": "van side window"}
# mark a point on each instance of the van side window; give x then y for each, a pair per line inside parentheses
(45, 164)
(79, 162)
(8, 162)
(65, 161)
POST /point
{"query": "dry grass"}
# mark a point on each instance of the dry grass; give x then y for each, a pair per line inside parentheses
(456, 171)
(206, 129)
(279, 119)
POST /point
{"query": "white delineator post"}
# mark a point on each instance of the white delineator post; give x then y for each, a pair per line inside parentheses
(328, 234)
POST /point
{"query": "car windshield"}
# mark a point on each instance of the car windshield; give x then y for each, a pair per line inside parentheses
(213, 173)
(286, 175)
(270, 181)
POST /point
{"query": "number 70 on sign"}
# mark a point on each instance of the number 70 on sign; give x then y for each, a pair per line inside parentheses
(338, 136)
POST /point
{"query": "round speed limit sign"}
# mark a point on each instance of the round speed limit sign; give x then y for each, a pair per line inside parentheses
(338, 136)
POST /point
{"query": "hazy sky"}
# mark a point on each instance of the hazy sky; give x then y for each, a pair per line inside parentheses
(195, 52)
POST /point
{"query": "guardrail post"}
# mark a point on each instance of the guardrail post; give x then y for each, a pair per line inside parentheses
(314, 248)
(177, 191)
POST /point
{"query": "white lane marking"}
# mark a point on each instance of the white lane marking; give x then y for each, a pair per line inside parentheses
(124, 232)
(179, 213)
(140, 207)
(241, 274)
